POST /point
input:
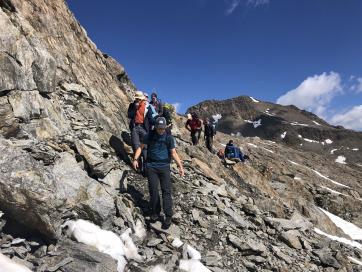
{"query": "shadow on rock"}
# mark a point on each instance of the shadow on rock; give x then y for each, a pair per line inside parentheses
(118, 146)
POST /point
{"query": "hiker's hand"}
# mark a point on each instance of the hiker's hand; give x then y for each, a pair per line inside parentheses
(135, 164)
(181, 171)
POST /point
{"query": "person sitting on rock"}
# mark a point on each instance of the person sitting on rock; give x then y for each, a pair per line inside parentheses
(194, 125)
(161, 149)
(234, 153)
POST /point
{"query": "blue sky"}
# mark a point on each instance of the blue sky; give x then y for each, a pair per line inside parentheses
(306, 52)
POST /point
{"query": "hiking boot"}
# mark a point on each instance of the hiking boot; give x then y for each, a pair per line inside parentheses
(167, 223)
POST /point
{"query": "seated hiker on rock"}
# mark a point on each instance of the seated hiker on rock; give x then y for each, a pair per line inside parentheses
(161, 150)
(209, 133)
(234, 153)
(194, 125)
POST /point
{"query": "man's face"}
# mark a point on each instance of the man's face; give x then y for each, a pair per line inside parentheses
(160, 131)
(154, 98)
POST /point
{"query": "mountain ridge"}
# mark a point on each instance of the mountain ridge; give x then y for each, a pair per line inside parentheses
(301, 129)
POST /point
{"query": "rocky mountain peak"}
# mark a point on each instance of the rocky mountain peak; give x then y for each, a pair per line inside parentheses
(300, 129)
(70, 201)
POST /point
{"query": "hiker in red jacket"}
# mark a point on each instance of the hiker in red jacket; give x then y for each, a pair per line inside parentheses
(194, 125)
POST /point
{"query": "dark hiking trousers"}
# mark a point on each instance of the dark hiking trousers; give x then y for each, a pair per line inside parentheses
(209, 143)
(160, 176)
(137, 134)
(195, 136)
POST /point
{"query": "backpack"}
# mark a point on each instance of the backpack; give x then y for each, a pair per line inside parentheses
(151, 114)
(214, 124)
(167, 114)
(195, 124)
(167, 142)
(140, 113)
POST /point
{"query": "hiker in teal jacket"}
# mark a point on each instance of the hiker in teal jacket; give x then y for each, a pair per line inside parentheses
(161, 150)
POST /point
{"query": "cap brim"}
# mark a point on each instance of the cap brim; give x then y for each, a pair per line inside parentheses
(161, 126)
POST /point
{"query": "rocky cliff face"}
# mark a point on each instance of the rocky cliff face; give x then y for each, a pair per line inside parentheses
(65, 155)
(300, 129)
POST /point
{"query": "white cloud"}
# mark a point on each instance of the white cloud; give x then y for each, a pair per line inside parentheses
(232, 5)
(256, 3)
(357, 87)
(351, 119)
(314, 93)
(177, 106)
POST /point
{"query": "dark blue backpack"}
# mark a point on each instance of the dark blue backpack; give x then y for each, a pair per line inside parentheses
(166, 143)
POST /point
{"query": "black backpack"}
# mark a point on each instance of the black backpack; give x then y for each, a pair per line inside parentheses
(167, 115)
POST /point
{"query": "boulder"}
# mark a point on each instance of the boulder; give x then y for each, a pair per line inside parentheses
(247, 246)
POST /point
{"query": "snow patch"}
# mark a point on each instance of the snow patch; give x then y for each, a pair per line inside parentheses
(320, 175)
(297, 178)
(253, 99)
(300, 136)
(326, 178)
(270, 151)
(283, 135)
(140, 230)
(257, 123)
(310, 141)
(328, 141)
(292, 162)
(341, 160)
(253, 145)
(339, 239)
(333, 150)
(355, 149)
(192, 253)
(105, 241)
(316, 123)
(355, 260)
(216, 117)
(8, 265)
(348, 228)
(269, 113)
(176, 243)
(299, 124)
(332, 191)
(193, 266)
(158, 268)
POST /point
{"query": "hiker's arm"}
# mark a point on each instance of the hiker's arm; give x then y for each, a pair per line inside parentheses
(178, 162)
(160, 108)
(187, 127)
(130, 111)
(137, 154)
